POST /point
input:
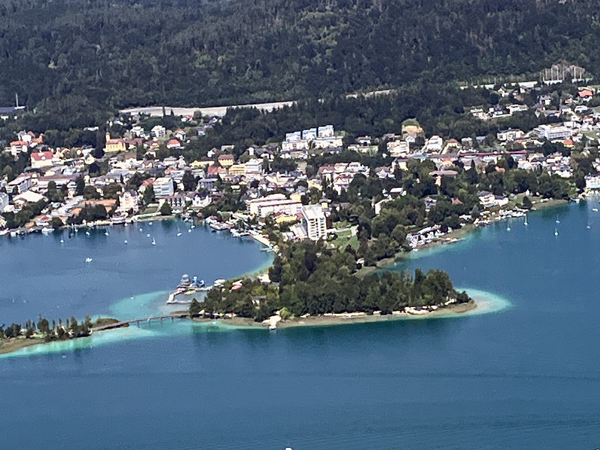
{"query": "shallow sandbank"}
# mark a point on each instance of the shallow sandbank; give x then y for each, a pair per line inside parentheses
(14, 344)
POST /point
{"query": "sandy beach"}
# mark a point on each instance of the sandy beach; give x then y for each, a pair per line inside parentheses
(348, 318)
(12, 345)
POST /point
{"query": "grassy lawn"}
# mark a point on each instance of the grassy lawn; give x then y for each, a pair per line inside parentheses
(344, 238)
(151, 209)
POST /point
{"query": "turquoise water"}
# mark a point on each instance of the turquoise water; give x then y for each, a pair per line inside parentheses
(523, 376)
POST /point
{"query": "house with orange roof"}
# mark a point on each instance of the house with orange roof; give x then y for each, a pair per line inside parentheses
(173, 143)
(585, 94)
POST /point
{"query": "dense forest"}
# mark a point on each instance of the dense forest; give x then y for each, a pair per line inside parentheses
(313, 279)
(80, 57)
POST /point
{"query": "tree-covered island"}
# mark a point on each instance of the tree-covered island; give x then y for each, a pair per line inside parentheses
(312, 279)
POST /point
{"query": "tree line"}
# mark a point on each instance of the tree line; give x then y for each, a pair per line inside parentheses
(49, 330)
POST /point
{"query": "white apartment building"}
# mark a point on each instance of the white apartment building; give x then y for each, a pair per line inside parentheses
(313, 220)
(592, 181)
(309, 134)
(554, 132)
(253, 167)
(509, 135)
(273, 204)
(163, 187)
(326, 131)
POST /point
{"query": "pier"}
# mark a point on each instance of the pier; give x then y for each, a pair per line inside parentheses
(125, 323)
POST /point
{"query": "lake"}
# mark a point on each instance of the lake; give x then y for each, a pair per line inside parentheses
(526, 376)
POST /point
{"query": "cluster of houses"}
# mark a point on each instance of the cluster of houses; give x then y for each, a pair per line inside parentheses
(136, 152)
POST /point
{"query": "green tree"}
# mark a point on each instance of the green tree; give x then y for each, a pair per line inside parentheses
(165, 209)
(189, 181)
(56, 223)
(149, 196)
(79, 185)
(195, 308)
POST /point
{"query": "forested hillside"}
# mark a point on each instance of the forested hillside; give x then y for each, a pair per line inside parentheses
(117, 53)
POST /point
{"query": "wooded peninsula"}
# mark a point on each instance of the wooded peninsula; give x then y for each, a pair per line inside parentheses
(311, 279)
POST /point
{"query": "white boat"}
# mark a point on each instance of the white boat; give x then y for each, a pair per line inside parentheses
(557, 221)
(47, 230)
(153, 241)
(179, 234)
(106, 233)
(555, 232)
(88, 260)
(526, 223)
(125, 241)
(595, 209)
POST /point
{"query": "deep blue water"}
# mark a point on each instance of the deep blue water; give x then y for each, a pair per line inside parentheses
(525, 377)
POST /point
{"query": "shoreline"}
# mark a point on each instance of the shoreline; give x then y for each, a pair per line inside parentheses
(454, 236)
(481, 302)
(13, 345)
(331, 319)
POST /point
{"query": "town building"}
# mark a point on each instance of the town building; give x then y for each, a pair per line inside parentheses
(273, 204)
(226, 160)
(3, 201)
(163, 187)
(313, 220)
(40, 160)
(592, 181)
(552, 132)
(512, 134)
(114, 145)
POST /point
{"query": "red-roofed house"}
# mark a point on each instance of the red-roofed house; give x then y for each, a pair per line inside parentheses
(213, 171)
(41, 159)
(173, 143)
(585, 94)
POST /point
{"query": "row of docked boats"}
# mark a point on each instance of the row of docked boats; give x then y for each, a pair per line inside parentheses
(215, 225)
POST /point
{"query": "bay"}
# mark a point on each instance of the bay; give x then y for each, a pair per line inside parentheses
(526, 376)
